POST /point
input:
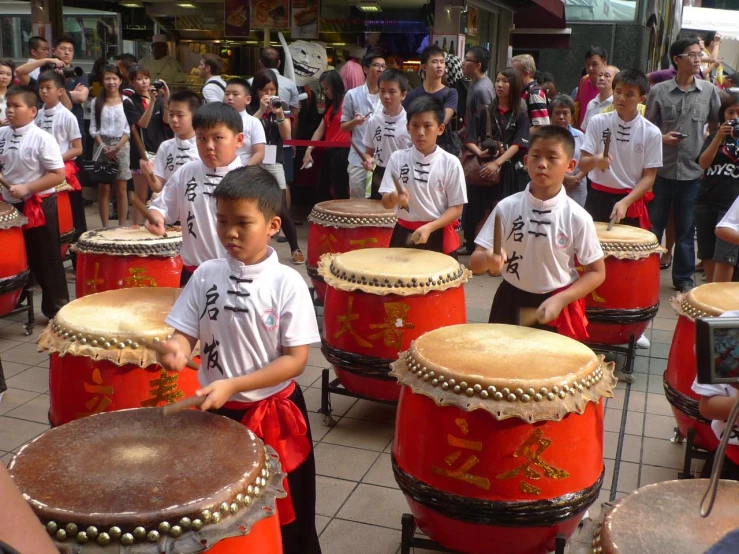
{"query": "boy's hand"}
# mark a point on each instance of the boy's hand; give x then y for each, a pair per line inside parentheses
(217, 394)
(155, 229)
(19, 191)
(496, 262)
(175, 358)
(549, 310)
(147, 166)
(420, 235)
(369, 162)
(619, 211)
(602, 163)
(400, 200)
(571, 182)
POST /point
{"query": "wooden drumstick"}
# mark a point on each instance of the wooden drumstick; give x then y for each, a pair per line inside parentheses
(4, 183)
(139, 205)
(527, 317)
(497, 236)
(611, 223)
(400, 190)
(182, 405)
(606, 142)
(159, 348)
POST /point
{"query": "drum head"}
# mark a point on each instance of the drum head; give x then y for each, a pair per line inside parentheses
(625, 241)
(711, 299)
(664, 518)
(130, 241)
(112, 325)
(401, 271)
(352, 213)
(508, 370)
(10, 217)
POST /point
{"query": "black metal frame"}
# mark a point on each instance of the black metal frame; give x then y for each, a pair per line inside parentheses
(629, 350)
(692, 452)
(328, 386)
(30, 324)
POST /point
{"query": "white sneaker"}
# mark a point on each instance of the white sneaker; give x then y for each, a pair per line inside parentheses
(643, 342)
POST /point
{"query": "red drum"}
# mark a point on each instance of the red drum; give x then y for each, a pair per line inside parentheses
(342, 225)
(64, 213)
(664, 518)
(124, 482)
(709, 300)
(99, 361)
(127, 257)
(499, 436)
(629, 297)
(378, 301)
(13, 263)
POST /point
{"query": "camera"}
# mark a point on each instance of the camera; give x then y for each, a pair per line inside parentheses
(717, 349)
(158, 84)
(276, 102)
(735, 127)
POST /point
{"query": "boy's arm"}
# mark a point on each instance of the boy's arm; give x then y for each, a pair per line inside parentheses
(451, 214)
(257, 154)
(178, 351)
(642, 187)
(593, 276)
(52, 178)
(75, 150)
(728, 234)
(716, 407)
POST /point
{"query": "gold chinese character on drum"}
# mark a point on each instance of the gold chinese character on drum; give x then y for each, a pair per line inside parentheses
(140, 482)
(99, 359)
(499, 436)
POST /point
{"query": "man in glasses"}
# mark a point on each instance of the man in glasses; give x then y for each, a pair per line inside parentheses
(681, 107)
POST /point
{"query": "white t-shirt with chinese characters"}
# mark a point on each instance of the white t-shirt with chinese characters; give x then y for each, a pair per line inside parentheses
(386, 134)
(172, 154)
(253, 134)
(60, 123)
(541, 239)
(359, 101)
(434, 182)
(188, 198)
(731, 219)
(244, 315)
(635, 146)
(27, 154)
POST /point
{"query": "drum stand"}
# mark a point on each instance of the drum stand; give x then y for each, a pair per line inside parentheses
(328, 387)
(629, 350)
(30, 324)
(692, 452)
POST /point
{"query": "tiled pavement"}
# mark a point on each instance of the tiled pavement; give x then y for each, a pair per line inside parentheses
(359, 505)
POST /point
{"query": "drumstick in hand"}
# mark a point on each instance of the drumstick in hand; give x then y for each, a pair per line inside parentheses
(4, 183)
(159, 348)
(358, 151)
(497, 236)
(182, 405)
(139, 205)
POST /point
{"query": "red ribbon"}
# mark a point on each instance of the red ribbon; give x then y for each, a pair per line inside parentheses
(571, 321)
(70, 173)
(450, 240)
(637, 210)
(281, 425)
(33, 212)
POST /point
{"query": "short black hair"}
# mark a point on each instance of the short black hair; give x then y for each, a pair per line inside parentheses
(372, 55)
(562, 101)
(633, 78)
(35, 42)
(269, 57)
(30, 98)
(597, 51)
(432, 50)
(482, 56)
(394, 76)
(680, 46)
(187, 97)
(555, 133)
(728, 99)
(710, 35)
(63, 38)
(51, 76)
(240, 81)
(128, 58)
(218, 113)
(251, 183)
(214, 62)
(425, 104)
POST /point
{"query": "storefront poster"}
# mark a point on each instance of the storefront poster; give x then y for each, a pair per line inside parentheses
(270, 14)
(305, 18)
(472, 21)
(236, 14)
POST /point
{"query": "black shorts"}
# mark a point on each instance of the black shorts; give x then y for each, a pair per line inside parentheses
(600, 204)
(709, 246)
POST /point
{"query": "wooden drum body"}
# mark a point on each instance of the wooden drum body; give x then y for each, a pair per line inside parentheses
(13, 262)
(378, 301)
(498, 453)
(629, 297)
(64, 214)
(709, 300)
(127, 257)
(342, 226)
(99, 361)
(123, 482)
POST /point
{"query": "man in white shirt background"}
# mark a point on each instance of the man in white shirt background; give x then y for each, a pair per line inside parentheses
(214, 86)
(604, 99)
(38, 49)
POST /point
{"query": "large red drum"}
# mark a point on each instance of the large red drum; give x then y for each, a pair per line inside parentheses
(64, 214)
(99, 359)
(140, 482)
(378, 301)
(629, 297)
(127, 257)
(343, 225)
(13, 262)
(499, 436)
(709, 300)
(665, 518)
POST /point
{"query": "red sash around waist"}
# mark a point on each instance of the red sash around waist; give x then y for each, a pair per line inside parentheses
(33, 212)
(281, 425)
(450, 239)
(638, 210)
(70, 173)
(571, 321)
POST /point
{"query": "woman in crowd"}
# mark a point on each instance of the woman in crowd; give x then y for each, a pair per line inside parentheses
(7, 74)
(562, 110)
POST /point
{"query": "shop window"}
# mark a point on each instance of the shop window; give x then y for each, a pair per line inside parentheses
(600, 10)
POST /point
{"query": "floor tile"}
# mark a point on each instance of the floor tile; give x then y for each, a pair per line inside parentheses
(663, 453)
(5, 458)
(653, 474)
(17, 432)
(34, 379)
(339, 404)
(367, 410)
(35, 410)
(659, 427)
(317, 426)
(311, 375)
(25, 353)
(7, 343)
(331, 494)
(12, 368)
(657, 366)
(662, 336)
(344, 537)
(661, 324)
(631, 451)
(343, 462)
(364, 501)
(381, 473)
(628, 476)
(658, 404)
(321, 522)
(14, 398)
(316, 358)
(360, 434)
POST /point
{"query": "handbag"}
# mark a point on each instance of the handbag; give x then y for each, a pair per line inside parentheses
(472, 164)
(100, 171)
(449, 140)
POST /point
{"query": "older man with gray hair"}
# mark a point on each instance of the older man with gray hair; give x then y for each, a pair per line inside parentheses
(533, 94)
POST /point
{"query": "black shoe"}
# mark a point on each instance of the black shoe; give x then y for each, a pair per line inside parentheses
(463, 251)
(281, 239)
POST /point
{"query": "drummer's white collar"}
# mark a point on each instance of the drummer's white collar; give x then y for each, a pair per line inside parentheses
(553, 202)
(23, 130)
(243, 271)
(221, 171)
(420, 158)
(52, 110)
(185, 143)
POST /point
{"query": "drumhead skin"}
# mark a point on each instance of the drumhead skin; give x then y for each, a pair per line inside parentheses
(130, 241)
(627, 242)
(10, 217)
(353, 212)
(664, 518)
(712, 299)
(508, 370)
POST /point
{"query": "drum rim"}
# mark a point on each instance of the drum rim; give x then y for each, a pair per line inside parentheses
(326, 214)
(95, 242)
(12, 217)
(633, 249)
(686, 304)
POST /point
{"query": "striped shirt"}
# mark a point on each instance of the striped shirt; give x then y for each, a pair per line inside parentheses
(536, 103)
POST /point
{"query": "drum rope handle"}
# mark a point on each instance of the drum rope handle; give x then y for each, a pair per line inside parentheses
(719, 465)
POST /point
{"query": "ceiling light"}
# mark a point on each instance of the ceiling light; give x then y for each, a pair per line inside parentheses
(132, 4)
(185, 5)
(369, 7)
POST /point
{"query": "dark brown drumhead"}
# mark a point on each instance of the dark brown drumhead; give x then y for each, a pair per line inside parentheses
(137, 468)
(664, 518)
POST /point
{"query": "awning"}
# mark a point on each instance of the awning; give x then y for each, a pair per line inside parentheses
(707, 19)
(540, 24)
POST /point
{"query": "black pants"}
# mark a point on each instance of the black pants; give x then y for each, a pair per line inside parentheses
(480, 202)
(377, 176)
(600, 204)
(45, 259)
(401, 236)
(185, 277)
(729, 471)
(333, 180)
(300, 536)
(510, 299)
(288, 224)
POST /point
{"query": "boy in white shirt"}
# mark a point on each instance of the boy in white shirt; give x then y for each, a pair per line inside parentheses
(188, 195)
(620, 182)
(32, 165)
(542, 230)
(432, 186)
(604, 99)
(238, 96)
(175, 152)
(728, 228)
(255, 322)
(387, 131)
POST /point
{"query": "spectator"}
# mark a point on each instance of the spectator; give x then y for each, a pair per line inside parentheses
(333, 174)
(351, 71)
(95, 77)
(481, 91)
(563, 109)
(209, 70)
(124, 62)
(77, 86)
(7, 74)
(681, 107)
(533, 94)
(595, 59)
(359, 104)
(109, 127)
(160, 64)
(550, 89)
(710, 49)
(605, 94)
(238, 96)
(38, 49)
